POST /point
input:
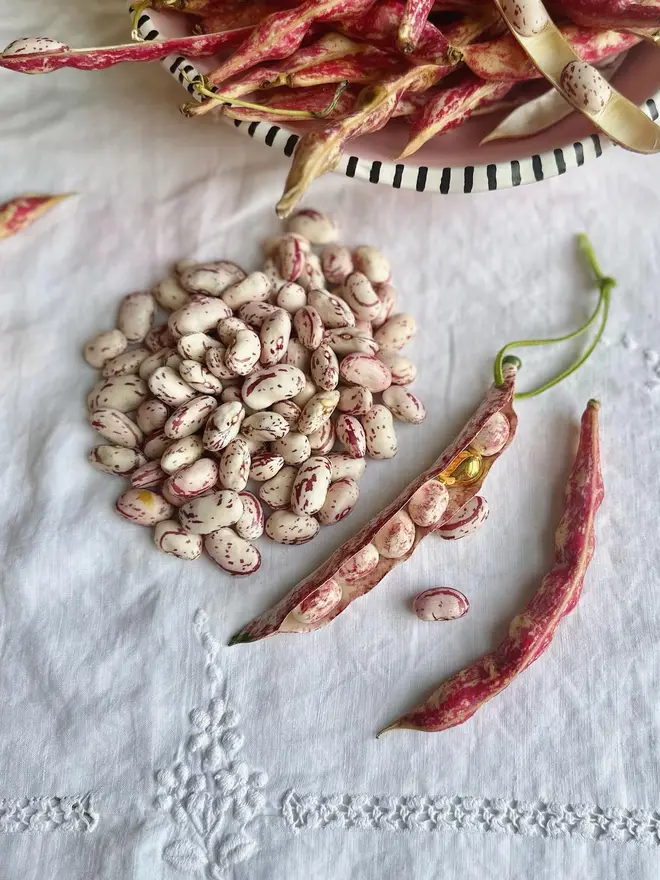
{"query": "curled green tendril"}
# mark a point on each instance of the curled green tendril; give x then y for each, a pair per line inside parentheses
(605, 285)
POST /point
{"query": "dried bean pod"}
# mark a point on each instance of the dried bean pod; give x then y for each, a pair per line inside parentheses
(156, 444)
(171, 538)
(309, 327)
(118, 460)
(493, 436)
(318, 604)
(275, 334)
(104, 347)
(232, 553)
(276, 492)
(291, 297)
(324, 368)
(350, 434)
(388, 299)
(289, 410)
(199, 377)
(223, 426)
(311, 485)
(265, 426)
(467, 521)
(189, 417)
(367, 371)
(211, 279)
(317, 410)
(191, 480)
(429, 503)
(243, 354)
(316, 227)
(289, 258)
(126, 364)
(372, 263)
(355, 400)
(337, 263)
(207, 513)
(297, 355)
(116, 427)
(194, 346)
(396, 333)
(286, 527)
(151, 363)
(199, 315)
(124, 393)
(215, 364)
(340, 500)
(379, 432)
(405, 406)
(402, 368)
(272, 384)
(234, 468)
(265, 465)
(396, 537)
(323, 440)
(360, 564)
(343, 465)
(148, 475)
(159, 337)
(144, 507)
(167, 385)
(358, 292)
(152, 415)
(251, 523)
(170, 295)
(136, 314)
(334, 311)
(440, 603)
(350, 340)
(181, 453)
(270, 271)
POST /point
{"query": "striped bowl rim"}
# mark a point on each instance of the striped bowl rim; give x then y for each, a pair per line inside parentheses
(452, 179)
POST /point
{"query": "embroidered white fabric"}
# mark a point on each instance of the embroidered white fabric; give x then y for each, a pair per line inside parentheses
(124, 711)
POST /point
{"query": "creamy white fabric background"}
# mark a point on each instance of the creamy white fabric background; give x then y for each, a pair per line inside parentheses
(100, 661)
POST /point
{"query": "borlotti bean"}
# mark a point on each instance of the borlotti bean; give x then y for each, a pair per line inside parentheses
(440, 603)
(238, 406)
(104, 347)
(493, 436)
(116, 427)
(319, 603)
(467, 521)
(396, 537)
(360, 564)
(136, 314)
(171, 538)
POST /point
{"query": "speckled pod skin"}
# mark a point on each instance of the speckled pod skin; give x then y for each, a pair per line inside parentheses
(278, 619)
(531, 632)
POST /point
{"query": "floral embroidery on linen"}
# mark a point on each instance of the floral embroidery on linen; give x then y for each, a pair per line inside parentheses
(72, 813)
(210, 794)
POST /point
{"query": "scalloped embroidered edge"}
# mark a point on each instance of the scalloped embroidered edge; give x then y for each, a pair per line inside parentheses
(39, 814)
(308, 812)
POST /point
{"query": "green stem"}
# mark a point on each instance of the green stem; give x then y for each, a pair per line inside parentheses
(605, 285)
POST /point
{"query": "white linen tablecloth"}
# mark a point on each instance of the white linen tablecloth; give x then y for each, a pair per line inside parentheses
(107, 645)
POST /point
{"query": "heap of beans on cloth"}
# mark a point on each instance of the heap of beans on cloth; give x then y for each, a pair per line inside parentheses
(253, 377)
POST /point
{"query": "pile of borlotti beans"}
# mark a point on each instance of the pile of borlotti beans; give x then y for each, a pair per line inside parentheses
(272, 377)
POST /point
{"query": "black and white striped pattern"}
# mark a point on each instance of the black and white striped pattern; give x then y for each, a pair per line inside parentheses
(457, 179)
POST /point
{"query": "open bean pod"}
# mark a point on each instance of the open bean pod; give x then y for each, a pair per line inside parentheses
(354, 580)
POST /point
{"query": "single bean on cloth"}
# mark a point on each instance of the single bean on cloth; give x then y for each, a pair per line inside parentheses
(238, 403)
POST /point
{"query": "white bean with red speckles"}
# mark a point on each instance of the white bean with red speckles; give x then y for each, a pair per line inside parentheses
(291, 297)
(396, 537)
(155, 444)
(192, 480)
(272, 384)
(315, 226)
(358, 292)
(349, 340)
(340, 500)
(372, 263)
(311, 485)
(215, 364)
(152, 415)
(189, 417)
(159, 337)
(170, 295)
(317, 410)
(167, 385)
(143, 506)
(270, 244)
(199, 377)
(294, 448)
(180, 453)
(275, 334)
(323, 440)
(198, 316)
(234, 467)
(223, 426)
(396, 332)
(342, 465)
(251, 523)
(402, 368)
(211, 278)
(270, 271)
(350, 434)
(467, 521)
(124, 393)
(440, 603)
(305, 394)
(116, 427)
(493, 436)
(243, 354)
(319, 603)
(309, 327)
(290, 258)
(265, 426)
(254, 446)
(227, 328)
(324, 368)
(289, 410)
(171, 538)
(429, 503)
(337, 263)
(118, 460)
(104, 347)
(256, 287)
(126, 364)
(355, 400)
(265, 465)
(334, 311)
(311, 277)
(148, 475)
(136, 314)
(232, 553)
(404, 405)
(194, 346)
(276, 492)
(151, 363)
(287, 527)
(297, 355)
(379, 432)
(215, 510)
(360, 564)
(367, 371)
(388, 300)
